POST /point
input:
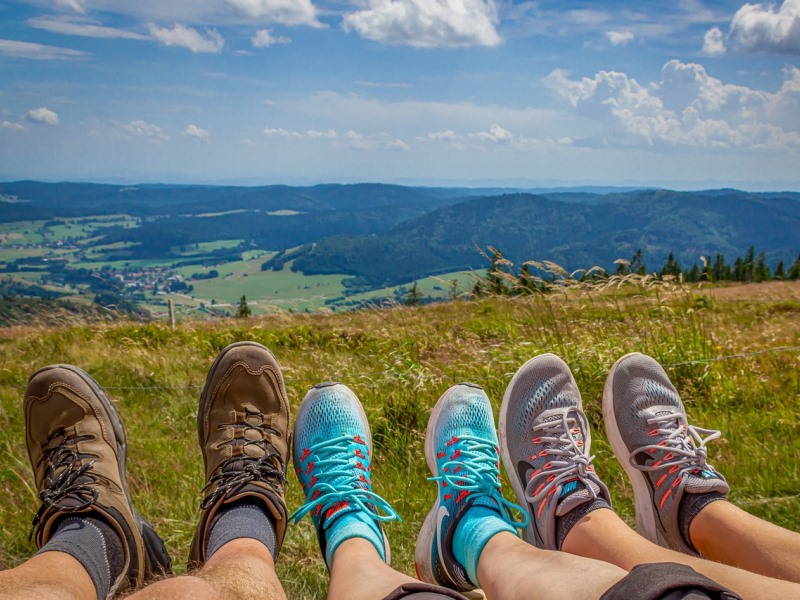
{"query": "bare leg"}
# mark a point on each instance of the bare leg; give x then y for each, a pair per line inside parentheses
(727, 534)
(358, 573)
(510, 568)
(242, 568)
(603, 535)
(47, 576)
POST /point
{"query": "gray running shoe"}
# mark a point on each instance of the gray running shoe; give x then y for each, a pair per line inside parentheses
(545, 442)
(663, 455)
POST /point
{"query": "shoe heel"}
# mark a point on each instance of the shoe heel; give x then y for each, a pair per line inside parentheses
(158, 560)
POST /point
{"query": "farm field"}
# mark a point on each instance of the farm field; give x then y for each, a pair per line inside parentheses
(731, 351)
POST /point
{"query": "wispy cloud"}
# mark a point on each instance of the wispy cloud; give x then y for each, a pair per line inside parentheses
(142, 130)
(72, 26)
(188, 37)
(16, 49)
(42, 116)
(285, 12)
(12, 126)
(76, 5)
(383, 85)
(426, 24)
(349, 139)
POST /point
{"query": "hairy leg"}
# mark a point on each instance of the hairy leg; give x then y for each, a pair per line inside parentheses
(242, 568)
(604, 536)
(47, 576)
(727, 534)
(509, 568)
(358, 573)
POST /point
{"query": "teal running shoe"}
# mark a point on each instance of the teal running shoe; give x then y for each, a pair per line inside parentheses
(332, 453)
(462, 452)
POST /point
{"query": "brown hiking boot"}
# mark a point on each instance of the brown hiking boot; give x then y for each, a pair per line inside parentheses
(243, 426)
(77, 448)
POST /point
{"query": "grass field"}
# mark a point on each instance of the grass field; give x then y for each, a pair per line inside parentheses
(399, 362)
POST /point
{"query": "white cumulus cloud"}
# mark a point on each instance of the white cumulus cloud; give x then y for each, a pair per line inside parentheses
(496, 134)
(188, 37)
(43, 116)
(620, 38)
(71, 26)
(761, 27)
(193, 131)
(427, 23)
(263, 39)
(713, 42)
(285, 12)
(32, 51)
(143, 129)
(686, 107)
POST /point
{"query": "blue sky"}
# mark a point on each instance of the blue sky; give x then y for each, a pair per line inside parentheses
(685, 94)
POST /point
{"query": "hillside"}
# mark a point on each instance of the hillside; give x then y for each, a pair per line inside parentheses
(399, 362)
(574, 235)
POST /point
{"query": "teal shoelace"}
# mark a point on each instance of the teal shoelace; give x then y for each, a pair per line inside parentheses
(337, 482)
(476, 470)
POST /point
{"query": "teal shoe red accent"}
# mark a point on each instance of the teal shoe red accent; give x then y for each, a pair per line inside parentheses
(332, 453)
(461, 450)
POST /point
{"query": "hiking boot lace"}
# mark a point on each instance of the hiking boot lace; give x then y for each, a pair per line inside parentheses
(268, 469)
(559, 438)
(475, 469)
(65, 477)
(339, 484)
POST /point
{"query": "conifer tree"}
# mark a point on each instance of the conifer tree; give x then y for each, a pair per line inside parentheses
(780, 271)
(414, 296)
(794, 270)
(243, 309)
(671, 267)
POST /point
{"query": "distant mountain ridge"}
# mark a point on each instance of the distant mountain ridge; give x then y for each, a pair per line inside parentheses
(531, 227)
(391, 234)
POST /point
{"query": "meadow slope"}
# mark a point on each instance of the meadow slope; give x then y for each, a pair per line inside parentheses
(399, 361)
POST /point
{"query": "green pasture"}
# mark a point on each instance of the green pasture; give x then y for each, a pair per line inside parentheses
(399, 361)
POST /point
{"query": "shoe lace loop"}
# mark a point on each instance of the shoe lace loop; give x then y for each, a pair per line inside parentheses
(67, 476)
(241, 469)
(684, 444)
(572, 459)
(479, 473)
(268, 469)
(338, 481)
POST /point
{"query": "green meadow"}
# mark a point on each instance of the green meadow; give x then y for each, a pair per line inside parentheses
(399, 361)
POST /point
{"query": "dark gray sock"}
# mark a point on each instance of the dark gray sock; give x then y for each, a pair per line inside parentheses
(691, 505)
(566, 522)
(241, 520)
(94, 544)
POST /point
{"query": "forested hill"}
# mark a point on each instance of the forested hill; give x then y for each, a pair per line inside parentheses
(575, 235)
(37, 200)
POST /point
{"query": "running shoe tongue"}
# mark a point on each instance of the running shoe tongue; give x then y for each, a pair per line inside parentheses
(704, 481)
(574, 493)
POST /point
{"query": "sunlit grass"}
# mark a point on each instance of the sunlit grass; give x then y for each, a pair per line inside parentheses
(399, 361)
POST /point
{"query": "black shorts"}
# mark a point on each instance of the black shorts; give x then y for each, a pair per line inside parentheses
(656, 581)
